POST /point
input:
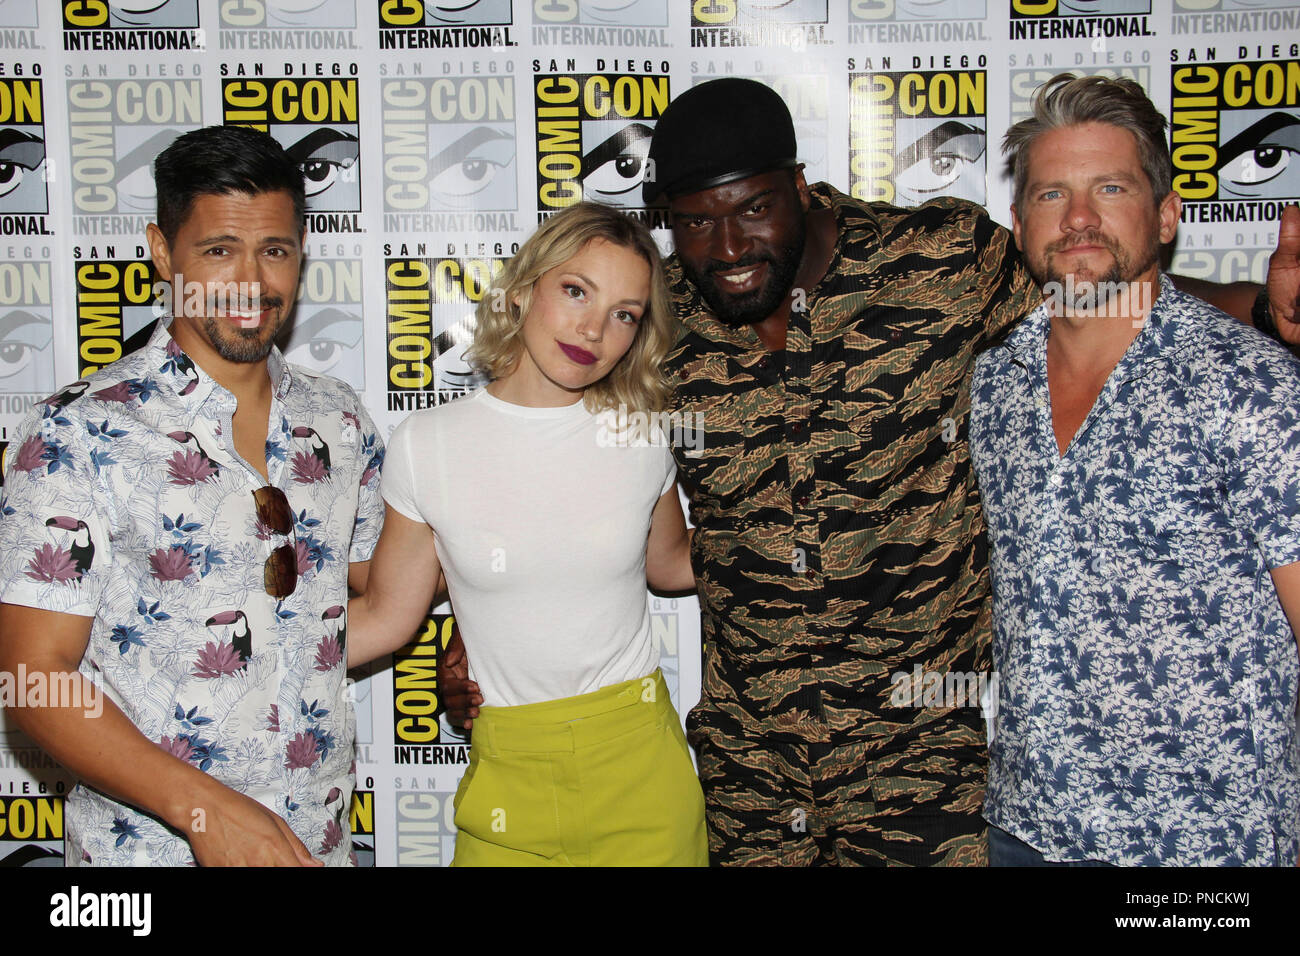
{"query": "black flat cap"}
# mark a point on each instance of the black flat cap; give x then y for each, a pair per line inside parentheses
(716, 133)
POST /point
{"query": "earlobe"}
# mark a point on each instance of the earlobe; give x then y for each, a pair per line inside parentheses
(159, 251)
(1171, 210)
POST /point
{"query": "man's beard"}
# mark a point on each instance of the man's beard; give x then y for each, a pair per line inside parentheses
(1088, 292)
(244, 345)
(737, 310)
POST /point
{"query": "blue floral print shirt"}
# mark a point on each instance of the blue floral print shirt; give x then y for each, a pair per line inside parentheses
(1147, 698)
(125, 501)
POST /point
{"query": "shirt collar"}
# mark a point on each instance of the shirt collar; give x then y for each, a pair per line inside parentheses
(1158, 336)
(185, 377)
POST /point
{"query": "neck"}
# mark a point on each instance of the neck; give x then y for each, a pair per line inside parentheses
(522, 385)
(819, 245)
(249, 382)
(1099, 336)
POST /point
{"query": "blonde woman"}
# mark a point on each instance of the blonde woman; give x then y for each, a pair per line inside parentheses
(547, 522)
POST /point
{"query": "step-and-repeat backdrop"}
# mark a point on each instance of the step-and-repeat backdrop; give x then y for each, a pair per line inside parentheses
(435, 134)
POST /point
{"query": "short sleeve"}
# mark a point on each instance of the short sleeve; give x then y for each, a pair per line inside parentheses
(370, 503)
(670, 468)
(1260, 441)
(1007, 293)
(399, 473)
(56, 550)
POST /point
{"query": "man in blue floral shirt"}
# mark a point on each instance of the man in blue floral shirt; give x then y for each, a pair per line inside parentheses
(181, 529)
(1139, 464)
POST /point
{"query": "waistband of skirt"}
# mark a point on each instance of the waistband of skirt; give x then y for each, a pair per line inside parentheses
(570, 723)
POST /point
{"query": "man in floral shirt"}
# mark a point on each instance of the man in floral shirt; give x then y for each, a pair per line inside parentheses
(1138, 455)
(181, 529)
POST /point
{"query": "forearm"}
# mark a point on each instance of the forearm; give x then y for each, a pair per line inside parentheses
(670, 569)
(396, 593)
(1234, 298)
(98, 743)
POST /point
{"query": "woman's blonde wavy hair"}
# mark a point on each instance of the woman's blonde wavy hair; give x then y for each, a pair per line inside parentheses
(637, 382)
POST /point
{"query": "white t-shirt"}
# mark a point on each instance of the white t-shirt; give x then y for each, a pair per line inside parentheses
(541, 525)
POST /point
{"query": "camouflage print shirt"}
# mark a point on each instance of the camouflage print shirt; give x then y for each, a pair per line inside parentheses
(840, 542)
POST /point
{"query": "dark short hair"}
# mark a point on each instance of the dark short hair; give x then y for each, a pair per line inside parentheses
(217, 160)
(1067, 100)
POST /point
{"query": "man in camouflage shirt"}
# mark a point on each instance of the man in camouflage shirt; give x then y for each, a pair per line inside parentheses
(840, 551)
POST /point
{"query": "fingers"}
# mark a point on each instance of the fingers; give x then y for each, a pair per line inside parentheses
(302, 856)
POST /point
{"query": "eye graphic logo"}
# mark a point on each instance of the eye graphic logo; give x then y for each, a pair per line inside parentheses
(1260, 160)
(442, 13)
(904, 10)
(1235, 139)
(915, 136)
(741, 13)
(449, 144)
(26, 328)
(288, 14)
(130, 14)
(326, 334)
(1078, 8)
(22, 148)
(18, 13)
(613, 171)
(645, 13)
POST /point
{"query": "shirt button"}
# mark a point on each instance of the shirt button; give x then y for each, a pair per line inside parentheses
(796, 428)
(810, 574)
(1056, 481)
(764, 362)
(802, 501)
(895, 335)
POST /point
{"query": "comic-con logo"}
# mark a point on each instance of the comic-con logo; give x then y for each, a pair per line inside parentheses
(797, 24)
(622, 13)
(1239, 263)
(361, 820)
(593, 138)
(424, 824)
(31, 831)
(416, 701)
(914, 136)
(26, 325)
(805, 95)
(24, 168)
(1064, 19)
(99, 25)
(315, 120)
(431, 306)
(116, 128)
(326, 334)
(444, 24)
(449, 143)
(1235, 139)
(1025, 83)
(116, 307)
